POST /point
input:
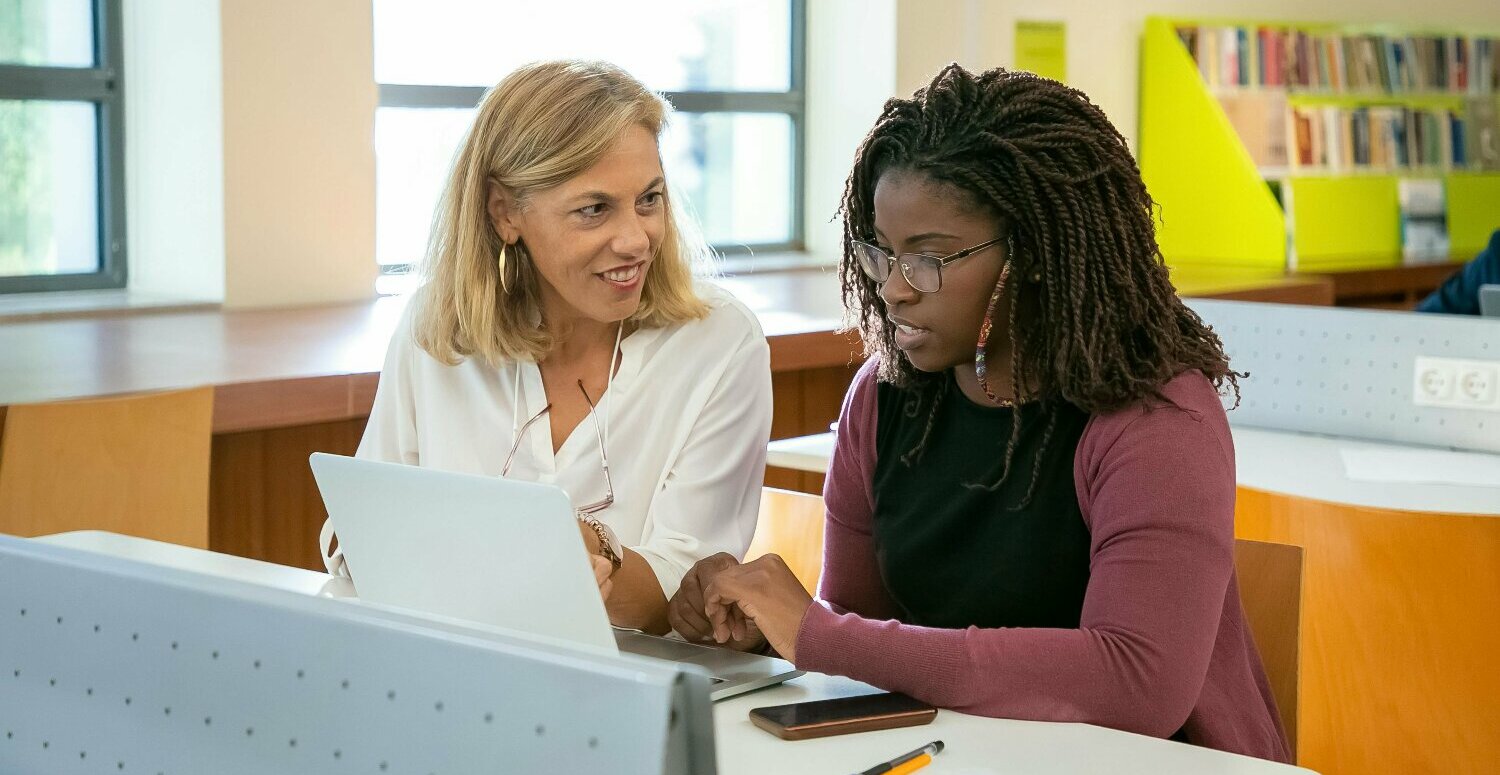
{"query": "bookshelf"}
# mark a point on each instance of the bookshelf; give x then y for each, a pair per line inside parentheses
(1275, 147)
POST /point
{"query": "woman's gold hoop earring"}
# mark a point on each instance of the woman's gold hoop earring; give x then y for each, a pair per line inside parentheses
(504, 267)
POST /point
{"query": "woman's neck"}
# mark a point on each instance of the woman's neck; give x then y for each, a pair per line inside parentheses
(575, 337)
(581, 342)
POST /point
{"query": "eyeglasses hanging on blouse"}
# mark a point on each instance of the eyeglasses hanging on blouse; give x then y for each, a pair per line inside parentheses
(600, 431)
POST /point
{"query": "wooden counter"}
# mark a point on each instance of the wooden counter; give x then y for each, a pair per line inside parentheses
(290, 382)
(1392, 287)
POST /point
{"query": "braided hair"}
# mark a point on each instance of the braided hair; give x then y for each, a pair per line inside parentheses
(1101, 327)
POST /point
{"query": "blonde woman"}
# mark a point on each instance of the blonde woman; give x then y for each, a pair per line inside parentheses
(560, 337)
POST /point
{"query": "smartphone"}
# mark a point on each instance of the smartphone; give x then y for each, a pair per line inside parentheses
(845, 715)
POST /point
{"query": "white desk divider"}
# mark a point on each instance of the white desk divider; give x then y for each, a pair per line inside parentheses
(1349, 372)
(108, 665)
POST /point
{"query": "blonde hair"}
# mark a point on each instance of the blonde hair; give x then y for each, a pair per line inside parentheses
(540, 126)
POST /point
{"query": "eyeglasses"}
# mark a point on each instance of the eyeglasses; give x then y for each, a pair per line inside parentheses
(609, 488)
(923, 273)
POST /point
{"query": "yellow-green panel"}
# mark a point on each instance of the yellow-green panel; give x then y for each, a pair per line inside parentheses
(1216, 210)
(1042, 48)
(1345, 222)
(1473, 212)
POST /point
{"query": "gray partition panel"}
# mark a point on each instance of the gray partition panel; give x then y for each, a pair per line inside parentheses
(1349, 372)
(112, 666)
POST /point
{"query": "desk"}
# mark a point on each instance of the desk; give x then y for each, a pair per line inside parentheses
(1401, 605)
(1388, 287)
(975, 745)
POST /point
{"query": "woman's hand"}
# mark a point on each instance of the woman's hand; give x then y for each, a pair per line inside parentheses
(685, 610)
(764, 592)
(604, 570)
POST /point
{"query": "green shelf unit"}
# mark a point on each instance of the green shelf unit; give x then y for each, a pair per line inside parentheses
(1351, 222)
(1217, 208)
(1473, 211)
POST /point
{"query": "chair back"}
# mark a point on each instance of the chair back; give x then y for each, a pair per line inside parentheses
(137, 465)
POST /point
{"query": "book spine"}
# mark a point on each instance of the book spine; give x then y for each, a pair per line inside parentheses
(1335, 63)
(1244, 59)
(1230, 71)
(1261, 63)
(1460, 65)
(1208, 65)
(1333, 139)
(1460, 156)
(1388, 74)
(1321, 55)
(1400, 122)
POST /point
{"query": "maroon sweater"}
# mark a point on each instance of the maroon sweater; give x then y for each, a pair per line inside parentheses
(1162, 644)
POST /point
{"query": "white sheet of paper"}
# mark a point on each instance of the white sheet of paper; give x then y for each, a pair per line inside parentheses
(1422, 466)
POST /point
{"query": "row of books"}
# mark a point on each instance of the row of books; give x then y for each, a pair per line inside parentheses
(1338, 139)
(1376, 138)
(1259, 57)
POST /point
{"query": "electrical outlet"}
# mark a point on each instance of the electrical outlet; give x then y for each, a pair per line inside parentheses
(1456, 384)
(1476, 385)
(1434, 382)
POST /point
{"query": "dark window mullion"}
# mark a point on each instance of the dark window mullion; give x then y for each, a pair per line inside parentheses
(402, 95)
(109, 37)
(735, 102)
(426, 96)
(22, 82)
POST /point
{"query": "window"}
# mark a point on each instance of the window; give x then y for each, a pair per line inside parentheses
(62, 182)
(731, 68)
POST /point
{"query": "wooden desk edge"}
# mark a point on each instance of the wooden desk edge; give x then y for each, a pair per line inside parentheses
(1310, 290)
(279, 403)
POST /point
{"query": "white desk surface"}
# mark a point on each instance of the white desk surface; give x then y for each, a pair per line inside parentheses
(975, 745)
(1296, 464)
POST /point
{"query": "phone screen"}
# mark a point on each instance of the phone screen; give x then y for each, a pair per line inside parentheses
(842, 709)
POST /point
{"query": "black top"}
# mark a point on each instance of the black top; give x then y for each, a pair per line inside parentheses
(954, 554)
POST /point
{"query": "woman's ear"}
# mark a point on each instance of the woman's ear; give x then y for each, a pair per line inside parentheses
(1027, 266)
(502, 209)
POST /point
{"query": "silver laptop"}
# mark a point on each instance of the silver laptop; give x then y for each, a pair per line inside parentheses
(497, 552)
(1489, 301)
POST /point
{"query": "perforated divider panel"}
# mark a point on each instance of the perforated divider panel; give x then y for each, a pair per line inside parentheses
(112, 666)
(1347, 372)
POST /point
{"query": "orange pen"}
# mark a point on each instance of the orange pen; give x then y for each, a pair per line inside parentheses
(907, 762)
(912, 765)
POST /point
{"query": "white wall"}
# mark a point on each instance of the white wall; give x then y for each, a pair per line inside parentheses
(1104, 37)
(299, 100)
(174, 175)
(851, 72)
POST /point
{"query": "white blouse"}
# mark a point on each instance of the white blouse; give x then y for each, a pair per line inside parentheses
(689, 416)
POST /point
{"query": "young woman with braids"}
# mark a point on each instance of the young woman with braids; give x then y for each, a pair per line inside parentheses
(1039, 526)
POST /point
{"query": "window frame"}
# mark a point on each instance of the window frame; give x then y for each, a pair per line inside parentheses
(791, 103)
(104, 86)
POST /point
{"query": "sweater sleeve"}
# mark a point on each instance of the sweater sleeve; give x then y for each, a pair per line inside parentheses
(851, 575)
(1459, 294)
(1157, 488)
